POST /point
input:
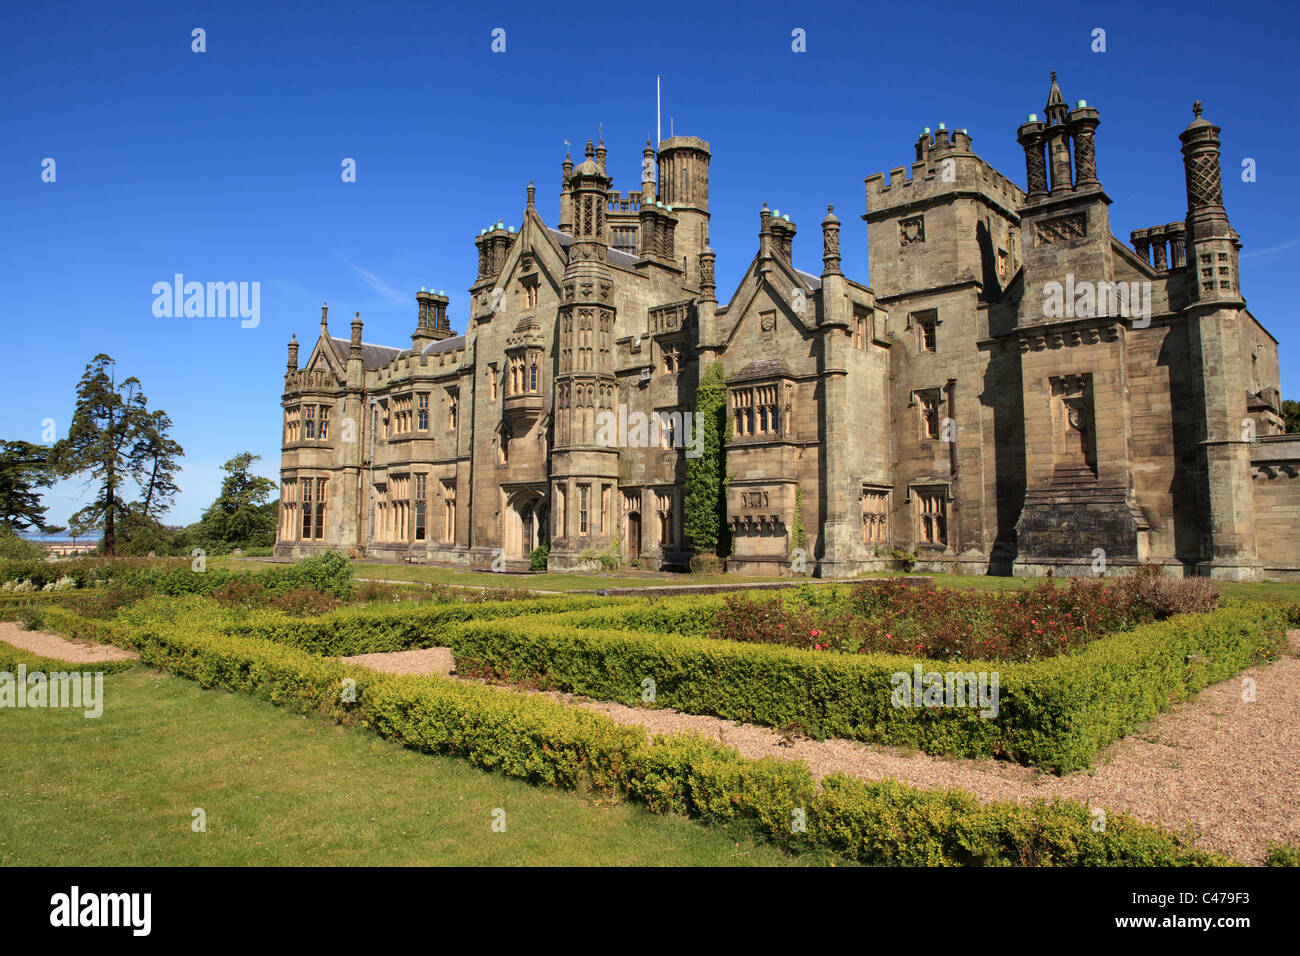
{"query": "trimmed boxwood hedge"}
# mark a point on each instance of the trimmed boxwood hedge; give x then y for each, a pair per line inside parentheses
(371, 630)
(1056, 714)
(532, 738)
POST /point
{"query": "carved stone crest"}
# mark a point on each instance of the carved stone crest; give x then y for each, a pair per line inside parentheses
(911, 231)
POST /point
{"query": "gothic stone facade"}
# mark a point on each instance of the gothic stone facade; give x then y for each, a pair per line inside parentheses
(1017, 391)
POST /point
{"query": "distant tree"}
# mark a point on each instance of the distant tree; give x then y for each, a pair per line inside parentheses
(705, 500)
(243, 516)
(139, 534)
(110, 428)
(1291, 416)
(155, 455)
(24, 469)
(14, 547)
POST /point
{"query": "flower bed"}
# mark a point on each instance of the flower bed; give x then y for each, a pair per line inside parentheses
(1055, 713)
(961, 625)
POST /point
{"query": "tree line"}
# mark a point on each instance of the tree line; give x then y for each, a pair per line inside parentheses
(130, 463)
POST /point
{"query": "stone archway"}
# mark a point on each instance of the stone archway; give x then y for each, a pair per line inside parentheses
(523, 525)
(633, 535)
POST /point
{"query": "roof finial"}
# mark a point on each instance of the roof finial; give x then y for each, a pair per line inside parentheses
(1196, 109)
(1053, 76)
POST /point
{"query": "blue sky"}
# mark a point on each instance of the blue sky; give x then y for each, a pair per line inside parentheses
(225, 165)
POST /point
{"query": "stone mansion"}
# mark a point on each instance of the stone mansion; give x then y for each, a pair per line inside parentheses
(1015, 391)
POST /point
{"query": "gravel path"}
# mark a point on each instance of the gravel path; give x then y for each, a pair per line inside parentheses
(60, 648)
(422, 663)
(1228, 768)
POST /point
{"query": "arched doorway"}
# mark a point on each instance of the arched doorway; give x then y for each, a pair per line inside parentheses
(521, 528)
(526, 523)
(633, 535)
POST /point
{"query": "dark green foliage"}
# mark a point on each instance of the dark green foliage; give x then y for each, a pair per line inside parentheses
(114, 439)
(243, 516)
(705, 498)
(24, 469)
(330, 573)
(14, 547)
(1291, 416)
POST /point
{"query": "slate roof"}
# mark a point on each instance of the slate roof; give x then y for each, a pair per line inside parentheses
(766, 368)
(372, 356)
(612, 256)
(814, 282)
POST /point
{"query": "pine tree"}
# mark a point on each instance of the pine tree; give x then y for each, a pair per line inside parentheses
(24, 469)
(104, 440)
(243, 515)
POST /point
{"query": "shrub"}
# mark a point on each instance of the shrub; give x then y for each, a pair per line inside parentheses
(906, 559)
(300, 601)
(371, 630)
(102, 602)
(707, 563)
(1056, 713)
(14, 547)
(534, 739)
(537, 560)
(1283, 854)
(954, 624)
(30, 617)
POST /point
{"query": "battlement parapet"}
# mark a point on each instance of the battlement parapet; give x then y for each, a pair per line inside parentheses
(944, 165)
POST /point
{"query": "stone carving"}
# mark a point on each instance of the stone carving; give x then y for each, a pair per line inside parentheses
(911, 231)
(1085, 157)
(753, 499)
(1062, 229)
(670, 318)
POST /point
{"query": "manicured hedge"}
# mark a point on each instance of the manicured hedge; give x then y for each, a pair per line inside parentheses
(540, 741)
(373, 630)
(1057, 714)
(331, 572)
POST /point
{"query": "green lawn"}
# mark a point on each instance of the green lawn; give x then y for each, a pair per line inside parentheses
(1289, 591)
(282, 789)
(429, 574)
